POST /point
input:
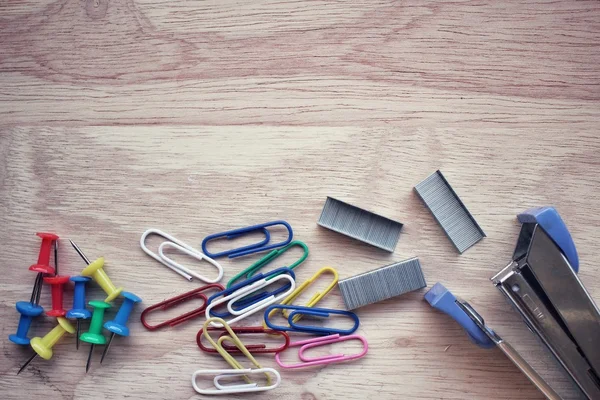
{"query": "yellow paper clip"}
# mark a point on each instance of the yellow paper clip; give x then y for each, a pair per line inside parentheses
(232, 337)
(315, 298)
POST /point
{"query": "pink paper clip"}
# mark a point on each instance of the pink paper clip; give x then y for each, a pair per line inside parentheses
(321, 341)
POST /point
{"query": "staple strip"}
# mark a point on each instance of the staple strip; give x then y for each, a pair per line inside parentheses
(382, 283)
(449, 211)
(360, 224)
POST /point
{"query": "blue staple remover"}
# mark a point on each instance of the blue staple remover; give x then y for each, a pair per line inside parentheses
(442, 299)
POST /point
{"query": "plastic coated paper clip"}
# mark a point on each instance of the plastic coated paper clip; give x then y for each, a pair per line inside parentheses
(251, 330)
(243, 289)
(177, 244)
(273, 255)
(172, 302)
(250, 249)
(321, 341)
(239, 388)
(312, 312)
(238, 369)
(318, 296)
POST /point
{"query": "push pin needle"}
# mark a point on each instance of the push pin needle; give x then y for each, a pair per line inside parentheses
(78, 250)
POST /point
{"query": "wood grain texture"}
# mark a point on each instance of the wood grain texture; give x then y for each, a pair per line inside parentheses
(195, 117)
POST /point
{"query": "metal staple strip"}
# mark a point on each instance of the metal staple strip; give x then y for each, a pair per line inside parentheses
(382, 283)
(360, 224)
(449, 211)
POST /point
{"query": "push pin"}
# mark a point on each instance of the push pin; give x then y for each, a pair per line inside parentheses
(94, 334)
(79, 311)
(119, 324)
(42, 267)
(97, 273)
(57, 284)
(28, 311)
(43, 345)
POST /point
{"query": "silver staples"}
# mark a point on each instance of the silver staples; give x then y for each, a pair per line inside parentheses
(449, 211)
(360, 224)
(382, 283)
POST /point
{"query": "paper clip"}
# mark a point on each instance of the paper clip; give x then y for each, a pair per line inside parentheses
(250, 249)
(321, 341)
(238, 388)
(253, 348)
(312, 312)
(252, 298)
(242, 289)
(238, 370)
(184, 248)
(172, 302)
(251, 270)
(316, 297)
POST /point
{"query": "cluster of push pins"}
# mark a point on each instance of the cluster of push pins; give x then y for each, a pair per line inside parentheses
(42, 346)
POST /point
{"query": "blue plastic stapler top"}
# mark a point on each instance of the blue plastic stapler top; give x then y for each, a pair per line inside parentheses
(551, 222)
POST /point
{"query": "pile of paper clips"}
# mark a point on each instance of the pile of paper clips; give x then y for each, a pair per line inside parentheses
(247, 293)
(42, 346)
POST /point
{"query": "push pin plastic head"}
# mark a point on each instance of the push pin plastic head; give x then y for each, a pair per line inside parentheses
(43, 345)
(96, 271)
(43, 263)
(94, 335)
(57, 284)
(119, 324)
(28, 311)
(79, 311)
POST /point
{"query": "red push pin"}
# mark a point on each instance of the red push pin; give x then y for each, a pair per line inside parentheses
(49, 240)
(43, 263)
(57, 284)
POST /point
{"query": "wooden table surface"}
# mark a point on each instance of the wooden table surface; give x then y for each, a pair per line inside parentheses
(199, 116)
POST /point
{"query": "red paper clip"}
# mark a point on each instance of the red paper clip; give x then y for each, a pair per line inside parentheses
(182, 298)
(252, 348)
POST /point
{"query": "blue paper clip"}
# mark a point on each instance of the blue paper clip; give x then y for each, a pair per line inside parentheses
(441, 298)
(551, 222)
(252, 299)
(312, 312)
(250, 249)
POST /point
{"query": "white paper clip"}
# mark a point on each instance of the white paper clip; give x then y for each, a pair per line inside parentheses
(254, 307)
(175, 243)
(234, 388)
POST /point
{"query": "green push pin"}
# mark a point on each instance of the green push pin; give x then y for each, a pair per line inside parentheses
(94, 334)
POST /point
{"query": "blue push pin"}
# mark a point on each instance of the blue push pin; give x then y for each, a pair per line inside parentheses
(28, 311)
(79, 311)
(119, 324)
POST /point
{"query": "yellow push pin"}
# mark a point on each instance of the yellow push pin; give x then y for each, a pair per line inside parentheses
(96, 272)
(43, 345)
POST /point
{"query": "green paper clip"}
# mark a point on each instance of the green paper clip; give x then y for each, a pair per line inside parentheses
(251, 270)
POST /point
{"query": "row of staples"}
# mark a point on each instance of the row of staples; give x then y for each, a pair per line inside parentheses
(248, 293)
